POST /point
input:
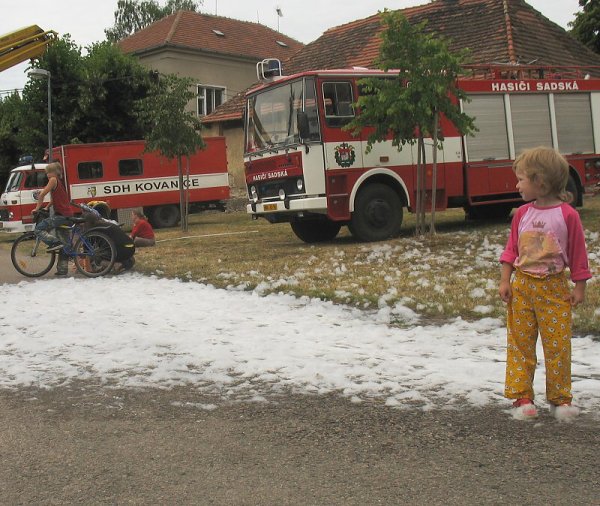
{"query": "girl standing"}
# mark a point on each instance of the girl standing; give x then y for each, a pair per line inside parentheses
(546, 237)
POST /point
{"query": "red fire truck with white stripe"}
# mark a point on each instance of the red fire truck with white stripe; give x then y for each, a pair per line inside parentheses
(119, 176)
(304, 168)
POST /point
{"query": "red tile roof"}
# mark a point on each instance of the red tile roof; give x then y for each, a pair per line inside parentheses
(494, 31)
(192, 30)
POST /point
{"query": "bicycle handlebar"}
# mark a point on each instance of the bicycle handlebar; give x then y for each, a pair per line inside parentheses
(40, 214)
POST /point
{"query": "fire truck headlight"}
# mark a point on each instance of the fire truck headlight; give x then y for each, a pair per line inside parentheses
(11, 215)
(281, 194)
(254, 194)
(300, 185)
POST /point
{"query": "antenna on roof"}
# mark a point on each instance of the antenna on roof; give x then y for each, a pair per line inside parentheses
(279, 15)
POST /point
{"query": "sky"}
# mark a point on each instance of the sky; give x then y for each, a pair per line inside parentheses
(237, 345)
(305, 21)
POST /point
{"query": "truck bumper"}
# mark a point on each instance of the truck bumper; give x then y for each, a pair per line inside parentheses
(312, 204)
(15, 226)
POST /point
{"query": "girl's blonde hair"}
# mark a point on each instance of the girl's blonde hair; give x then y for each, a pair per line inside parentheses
(547, 167)
(54, 168)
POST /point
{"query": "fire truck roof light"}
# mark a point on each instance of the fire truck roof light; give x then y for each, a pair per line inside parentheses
(25, 159)
(269, 68)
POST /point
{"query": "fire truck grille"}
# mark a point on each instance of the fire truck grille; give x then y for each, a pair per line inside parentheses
(271, 189)
(3, 215)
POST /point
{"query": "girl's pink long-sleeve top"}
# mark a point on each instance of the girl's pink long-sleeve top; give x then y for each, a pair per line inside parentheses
(545, 240)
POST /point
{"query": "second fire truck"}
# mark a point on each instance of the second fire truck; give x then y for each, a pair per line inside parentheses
(118, 176)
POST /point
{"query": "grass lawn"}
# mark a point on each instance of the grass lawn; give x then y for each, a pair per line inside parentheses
(452, 274)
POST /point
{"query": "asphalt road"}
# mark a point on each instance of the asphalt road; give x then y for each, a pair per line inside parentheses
(8, 274)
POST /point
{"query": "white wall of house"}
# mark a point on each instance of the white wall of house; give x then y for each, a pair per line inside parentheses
(231, 73)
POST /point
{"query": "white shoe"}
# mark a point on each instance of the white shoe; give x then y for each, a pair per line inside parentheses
(564, 412)
(524, 409)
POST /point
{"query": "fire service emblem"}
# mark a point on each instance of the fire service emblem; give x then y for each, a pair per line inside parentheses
(345, 155)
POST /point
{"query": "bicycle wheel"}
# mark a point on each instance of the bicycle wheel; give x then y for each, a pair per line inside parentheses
(29, 256)
(95, 254)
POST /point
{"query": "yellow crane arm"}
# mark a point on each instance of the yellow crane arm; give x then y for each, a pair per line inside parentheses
(24, 44)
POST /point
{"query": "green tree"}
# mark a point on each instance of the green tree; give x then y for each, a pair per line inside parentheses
(133, 15)
(11, 110)
(64, 61)
(111, 84)
(407, 105)
(172, 131)
(93, 97)
(586, 26)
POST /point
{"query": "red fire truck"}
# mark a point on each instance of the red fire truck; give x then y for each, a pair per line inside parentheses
(120, 175)
(304, 168)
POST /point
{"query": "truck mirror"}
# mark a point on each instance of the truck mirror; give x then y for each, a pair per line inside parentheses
(302, 122)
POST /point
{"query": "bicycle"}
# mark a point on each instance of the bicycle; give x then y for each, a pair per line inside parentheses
(92, 251)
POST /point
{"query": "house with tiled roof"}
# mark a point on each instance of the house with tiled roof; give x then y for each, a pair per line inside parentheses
(219, 53)
(494, 31)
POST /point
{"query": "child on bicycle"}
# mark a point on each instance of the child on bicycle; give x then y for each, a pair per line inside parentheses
(546, 237)
(60, 210)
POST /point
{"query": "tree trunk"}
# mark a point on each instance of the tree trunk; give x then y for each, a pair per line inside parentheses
(181, 195)
(187, 192)
(418, 188)
(421, 191)
(436, 118)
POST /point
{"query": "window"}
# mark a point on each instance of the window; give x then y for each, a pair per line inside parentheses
(89, 170)
(14, 181)
(491, 141)
(574, 123)
(37, 179)
(337, 99)
(133, 167)
(531, 121)
(209, 98)
(310, 107)
(272, 115)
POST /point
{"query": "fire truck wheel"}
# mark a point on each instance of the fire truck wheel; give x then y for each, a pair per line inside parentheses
(316, 230)
(164, 216)
(377, 213)
(574, 190)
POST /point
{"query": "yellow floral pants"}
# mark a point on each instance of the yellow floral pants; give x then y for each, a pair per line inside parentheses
(539, 304)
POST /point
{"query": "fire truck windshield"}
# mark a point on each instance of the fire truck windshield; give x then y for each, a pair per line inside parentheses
(271, 119)
(14, 181)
